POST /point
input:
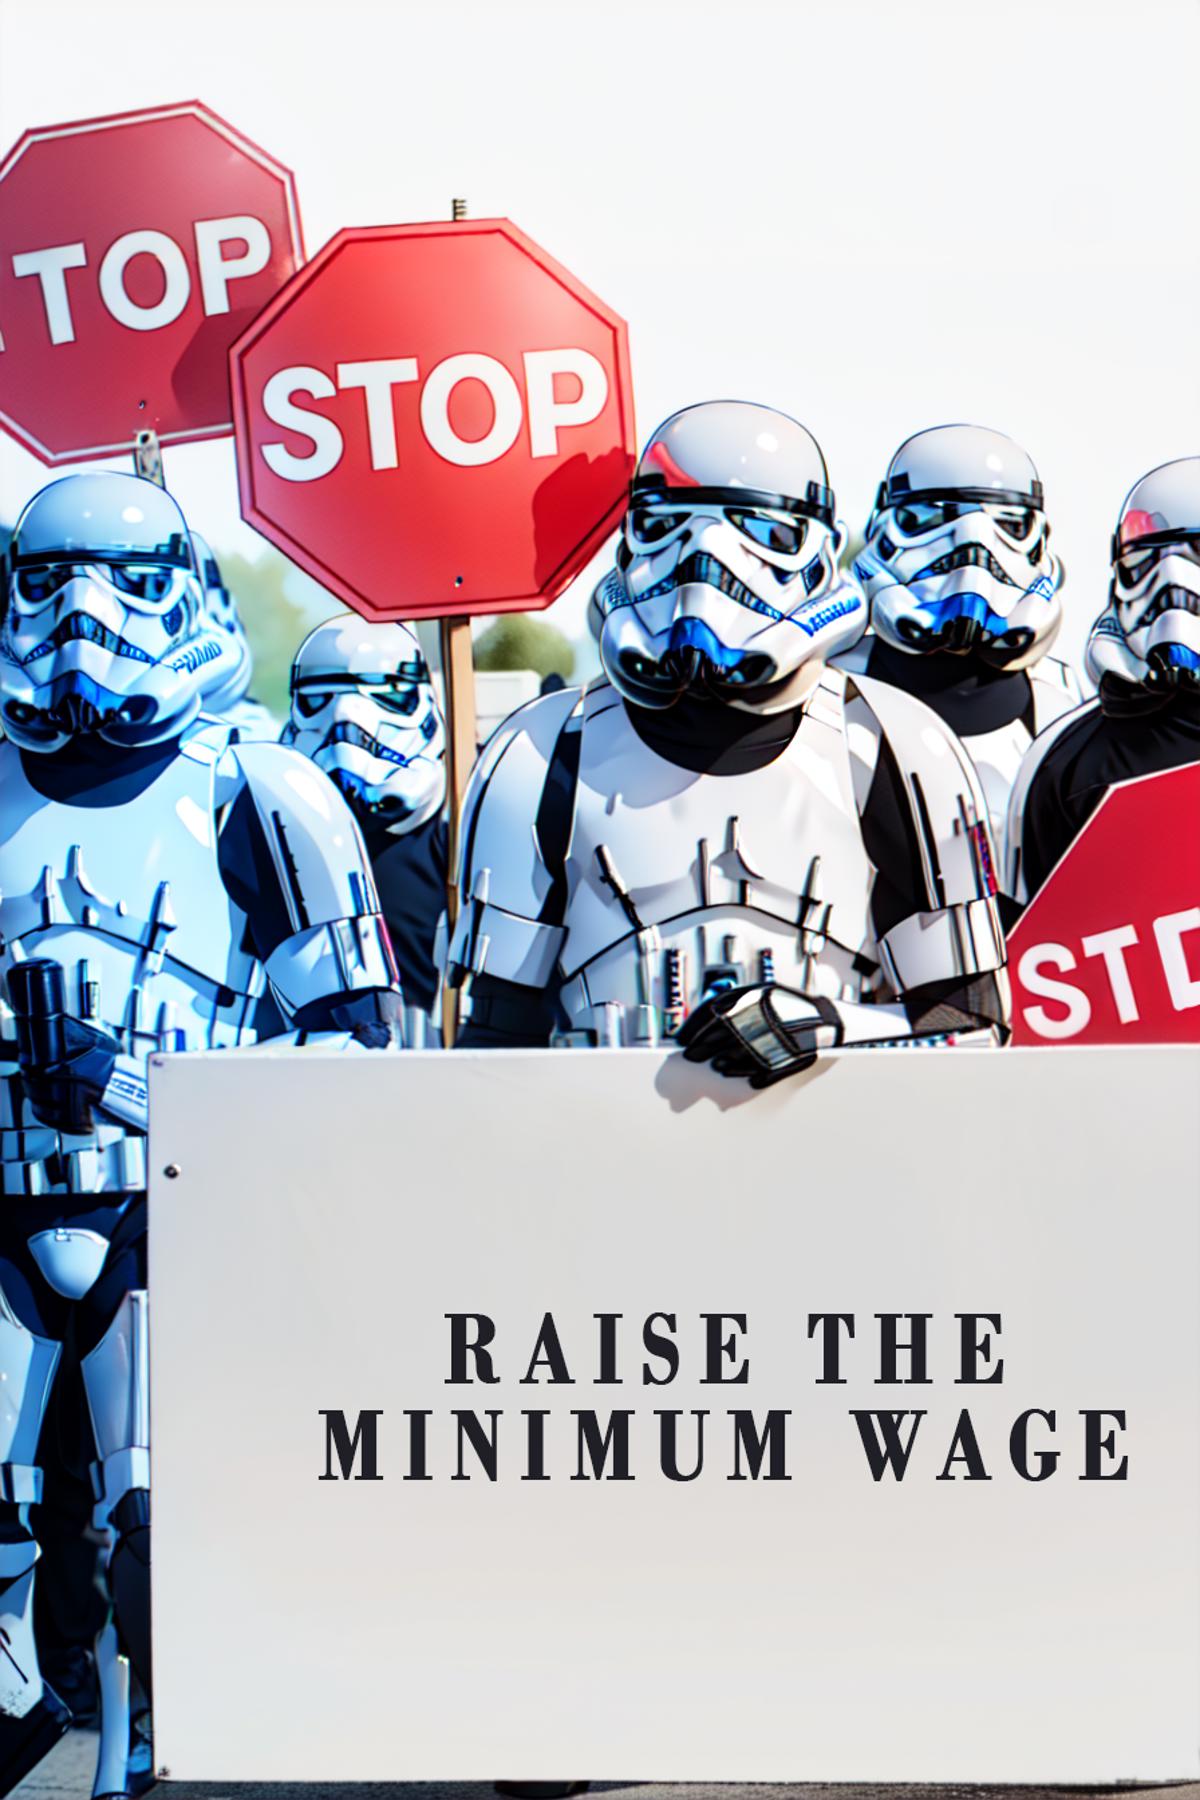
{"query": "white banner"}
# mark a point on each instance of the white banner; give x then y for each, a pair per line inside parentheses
(669, 1538)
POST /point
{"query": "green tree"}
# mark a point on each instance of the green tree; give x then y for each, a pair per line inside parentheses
(279, 607)
(522, 641)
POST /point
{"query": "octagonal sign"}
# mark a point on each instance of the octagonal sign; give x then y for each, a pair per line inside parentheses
(435, 419)
(1108, 950)
(133, 250)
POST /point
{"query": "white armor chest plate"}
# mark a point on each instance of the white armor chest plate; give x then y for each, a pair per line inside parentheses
(129, 899)
(678, 881)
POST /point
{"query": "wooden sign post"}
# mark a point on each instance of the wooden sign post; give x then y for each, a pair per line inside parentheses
(458, 681)
(458, 688)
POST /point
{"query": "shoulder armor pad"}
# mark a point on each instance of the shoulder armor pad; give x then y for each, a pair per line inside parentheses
(500, 810)
(949, 814)
(207, 740)
(1031, 762)
(827, 701)
(503, 877)
(319, 857)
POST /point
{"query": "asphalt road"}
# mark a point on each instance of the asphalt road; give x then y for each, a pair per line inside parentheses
(67, 1775)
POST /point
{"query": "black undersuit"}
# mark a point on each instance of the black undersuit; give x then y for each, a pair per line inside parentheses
(967, 695)
(1128, 733)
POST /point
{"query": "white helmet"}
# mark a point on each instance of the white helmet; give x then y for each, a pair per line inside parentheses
(727, 579)
(364, 710)
(233, 685)
(1149, 633)
(104, 628)
(957, 550)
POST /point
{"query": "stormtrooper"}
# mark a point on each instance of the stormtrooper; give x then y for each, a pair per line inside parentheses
(964, 593)
(364, 710)
(1144, 655)
(726, 842)
(228, 692)
(66, 1598)
(162, 887)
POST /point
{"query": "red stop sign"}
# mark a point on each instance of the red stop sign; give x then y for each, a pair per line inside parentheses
(133, 250)
(435, 419)
(1108, 952)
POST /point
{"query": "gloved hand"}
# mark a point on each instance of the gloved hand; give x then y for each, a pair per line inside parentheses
(762, 1034)
(374, 1019)
(65, 1063)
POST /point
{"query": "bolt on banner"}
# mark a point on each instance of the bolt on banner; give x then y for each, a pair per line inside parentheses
(1108, 952)
(133, 249)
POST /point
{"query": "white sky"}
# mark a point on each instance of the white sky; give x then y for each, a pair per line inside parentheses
(877, 216)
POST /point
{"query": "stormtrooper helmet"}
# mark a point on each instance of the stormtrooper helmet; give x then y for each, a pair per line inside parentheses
(364, 710)
(104, 627)
(957, 553)
(726, 582)
(223, 613)
(1149, 633)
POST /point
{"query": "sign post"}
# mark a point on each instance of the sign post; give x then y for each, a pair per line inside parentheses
(133, 250)
(458, 685)
(458, 678)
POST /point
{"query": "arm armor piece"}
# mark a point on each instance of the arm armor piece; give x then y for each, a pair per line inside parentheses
(511, 882)
(944, 923)
(298, 866)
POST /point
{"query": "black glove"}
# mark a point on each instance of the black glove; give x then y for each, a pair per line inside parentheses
(65, 1063)
(761, 1034)
(374, 1019)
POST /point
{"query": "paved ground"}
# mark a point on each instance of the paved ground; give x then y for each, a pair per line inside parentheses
(67, 1775)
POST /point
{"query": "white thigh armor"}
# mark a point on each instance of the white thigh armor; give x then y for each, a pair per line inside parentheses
(28, 1363)
(116, 1377)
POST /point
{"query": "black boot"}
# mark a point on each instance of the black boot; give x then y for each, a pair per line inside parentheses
(71, 1672)
(540, 1790)
(25, 1741)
